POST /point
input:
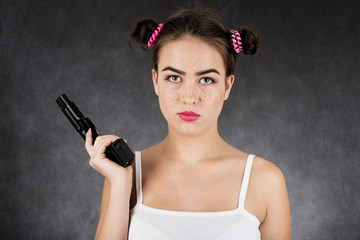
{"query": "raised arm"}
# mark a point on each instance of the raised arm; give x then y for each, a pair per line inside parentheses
(114, 216)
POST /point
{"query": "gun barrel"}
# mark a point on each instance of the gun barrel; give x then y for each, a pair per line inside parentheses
(65, 104)
(72, 113)
(118, 152)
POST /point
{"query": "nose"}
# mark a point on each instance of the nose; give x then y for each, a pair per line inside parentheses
(189, 93)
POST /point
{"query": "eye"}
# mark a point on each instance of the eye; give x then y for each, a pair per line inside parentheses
(206, 80)
(174, 78)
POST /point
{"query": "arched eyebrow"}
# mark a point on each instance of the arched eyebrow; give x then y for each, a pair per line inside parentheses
(211, 70)
(174, 70)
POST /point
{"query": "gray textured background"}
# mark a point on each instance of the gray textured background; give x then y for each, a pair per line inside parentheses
(296, 104)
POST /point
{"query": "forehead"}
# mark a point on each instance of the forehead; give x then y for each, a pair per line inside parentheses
(190, 55)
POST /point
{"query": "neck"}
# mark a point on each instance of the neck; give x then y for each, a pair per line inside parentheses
(191, 149)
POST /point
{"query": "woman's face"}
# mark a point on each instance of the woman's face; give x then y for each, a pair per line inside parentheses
(191, 85)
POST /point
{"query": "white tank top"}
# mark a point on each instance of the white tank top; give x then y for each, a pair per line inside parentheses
(151, 223)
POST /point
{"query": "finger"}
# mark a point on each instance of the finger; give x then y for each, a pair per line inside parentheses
(88, 142)
(98, 143)
(97, 140)
(89, 136)
(100, 152)
(104, 142)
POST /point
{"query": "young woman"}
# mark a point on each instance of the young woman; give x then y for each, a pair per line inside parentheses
(191, 185)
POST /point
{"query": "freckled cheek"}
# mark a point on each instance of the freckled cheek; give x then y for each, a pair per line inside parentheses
(213, 101)
(167, 101)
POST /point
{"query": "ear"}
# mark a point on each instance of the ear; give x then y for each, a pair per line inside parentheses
(155, 81)
(229, 81)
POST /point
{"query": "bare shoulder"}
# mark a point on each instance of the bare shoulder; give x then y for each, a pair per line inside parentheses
(268, 173)
(270, 180)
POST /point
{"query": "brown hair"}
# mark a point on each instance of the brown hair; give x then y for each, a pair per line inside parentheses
(205, 25)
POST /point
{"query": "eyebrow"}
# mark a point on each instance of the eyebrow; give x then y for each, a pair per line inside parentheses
(211, 70)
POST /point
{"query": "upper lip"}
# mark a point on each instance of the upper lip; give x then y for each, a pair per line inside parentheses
(189, 113)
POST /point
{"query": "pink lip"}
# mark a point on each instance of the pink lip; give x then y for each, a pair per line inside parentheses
(189, 116)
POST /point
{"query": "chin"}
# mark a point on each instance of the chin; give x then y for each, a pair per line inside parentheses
(189, 129)
(187, 133)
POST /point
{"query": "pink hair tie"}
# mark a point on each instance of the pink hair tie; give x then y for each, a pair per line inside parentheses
(155, 34)
(236, 41)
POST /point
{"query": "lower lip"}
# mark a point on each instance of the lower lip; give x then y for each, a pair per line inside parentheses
(189, 118)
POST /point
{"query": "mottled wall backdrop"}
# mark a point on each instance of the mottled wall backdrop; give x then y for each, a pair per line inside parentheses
(296, 104)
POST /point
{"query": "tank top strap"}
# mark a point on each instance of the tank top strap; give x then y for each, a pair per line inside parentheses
(138, 176)
(245, 181)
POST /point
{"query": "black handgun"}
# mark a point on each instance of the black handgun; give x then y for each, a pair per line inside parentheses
(119, 152)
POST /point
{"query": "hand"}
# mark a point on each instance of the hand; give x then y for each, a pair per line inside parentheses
(98, 160)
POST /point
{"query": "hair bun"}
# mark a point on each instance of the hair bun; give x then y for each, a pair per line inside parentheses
(249, 39)
(143, 31)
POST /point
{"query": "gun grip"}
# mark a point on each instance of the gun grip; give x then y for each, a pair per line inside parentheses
(120, 153)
